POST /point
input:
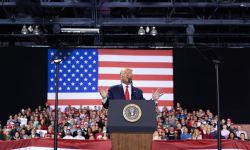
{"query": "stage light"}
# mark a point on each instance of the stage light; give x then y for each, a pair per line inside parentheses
(36, 31)
(24, 30)
(153, 31)
(141, 31)
(147, 29)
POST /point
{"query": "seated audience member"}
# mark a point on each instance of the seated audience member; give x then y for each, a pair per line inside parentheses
(171, 133)
(50, 132)
(34, 134)
(243, 137)
(1, 134)
(16, 136)
(232, 136)
(196, 135)
(68, 135)
(225, 132)
(91, 136)
(63, 133)
(185, 135)
(79, 135)
(156, 136)
(239, 131)
(208, 134)
(7, 135)
(176, 135)
(105, 136)
(23, 134)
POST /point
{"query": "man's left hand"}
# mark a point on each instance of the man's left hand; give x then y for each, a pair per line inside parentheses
(157, 94)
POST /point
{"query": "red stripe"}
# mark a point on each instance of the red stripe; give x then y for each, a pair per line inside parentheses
(165, 103)
(96, 102)
(150, 90)
(137, 77)
(135, 52)
(164, 90)
(75, 102)
(136, 64)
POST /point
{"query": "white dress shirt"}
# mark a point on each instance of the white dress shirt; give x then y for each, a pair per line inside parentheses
(129, 89)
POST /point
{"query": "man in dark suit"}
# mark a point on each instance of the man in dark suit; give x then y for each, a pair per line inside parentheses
(125, 90)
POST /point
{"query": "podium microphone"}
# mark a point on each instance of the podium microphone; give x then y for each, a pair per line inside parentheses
(130, 80)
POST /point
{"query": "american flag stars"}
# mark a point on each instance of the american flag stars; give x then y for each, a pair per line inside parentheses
(78, 72)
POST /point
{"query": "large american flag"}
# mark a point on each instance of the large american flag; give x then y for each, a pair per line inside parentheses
(82, 71)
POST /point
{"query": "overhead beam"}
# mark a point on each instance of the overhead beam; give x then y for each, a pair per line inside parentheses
(174, 4)
(54, 4)
(48, 21)
(126, 21)
(139, 4)
(171, 22)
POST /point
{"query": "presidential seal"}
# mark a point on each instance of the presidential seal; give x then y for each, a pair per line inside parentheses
(132, 112)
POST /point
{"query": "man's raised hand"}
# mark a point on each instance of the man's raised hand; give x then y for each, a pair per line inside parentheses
(103, 92)
(157, 94)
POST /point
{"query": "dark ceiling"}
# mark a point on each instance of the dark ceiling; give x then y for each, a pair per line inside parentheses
(179, 23)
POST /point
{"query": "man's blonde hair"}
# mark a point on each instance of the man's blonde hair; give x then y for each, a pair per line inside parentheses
(125, 69)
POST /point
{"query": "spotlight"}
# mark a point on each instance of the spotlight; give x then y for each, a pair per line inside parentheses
(153, 31)
(36, 30)
(147, 29)
(141, 31)
(24, 30)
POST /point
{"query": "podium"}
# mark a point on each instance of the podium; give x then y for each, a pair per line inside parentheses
(131, 124)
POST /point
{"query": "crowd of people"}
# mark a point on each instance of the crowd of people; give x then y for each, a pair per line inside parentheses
(178, 123)
(85, 123)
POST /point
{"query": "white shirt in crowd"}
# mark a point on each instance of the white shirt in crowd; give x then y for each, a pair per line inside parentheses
(225, 133)
(68, 137)
(79, 137)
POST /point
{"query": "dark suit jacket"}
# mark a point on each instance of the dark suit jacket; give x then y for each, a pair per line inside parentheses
(116, 92)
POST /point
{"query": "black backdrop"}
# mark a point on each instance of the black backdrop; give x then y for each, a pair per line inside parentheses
(24, 80)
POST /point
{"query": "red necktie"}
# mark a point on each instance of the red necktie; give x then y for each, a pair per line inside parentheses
(127, 93)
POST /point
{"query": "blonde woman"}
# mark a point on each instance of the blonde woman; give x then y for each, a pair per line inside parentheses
(196, 134)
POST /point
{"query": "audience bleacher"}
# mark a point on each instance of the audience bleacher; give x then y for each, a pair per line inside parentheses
(85, 123)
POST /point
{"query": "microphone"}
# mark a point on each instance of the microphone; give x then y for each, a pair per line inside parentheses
(130, 80)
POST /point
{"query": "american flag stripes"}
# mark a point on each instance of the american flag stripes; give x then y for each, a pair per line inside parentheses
(82, 71)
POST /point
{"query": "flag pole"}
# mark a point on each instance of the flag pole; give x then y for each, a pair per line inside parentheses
(57, 62)
(216, 63)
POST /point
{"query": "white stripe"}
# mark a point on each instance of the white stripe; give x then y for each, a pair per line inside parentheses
(129, 58)
(164, 97)
(139, 71)
(138, 83)
(45, 148)
(76, 96)
(91, 107)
